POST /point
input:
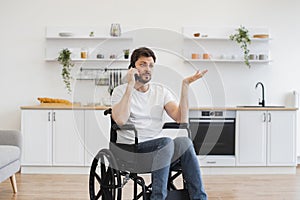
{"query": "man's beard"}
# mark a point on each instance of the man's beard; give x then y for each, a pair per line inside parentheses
(144, 81)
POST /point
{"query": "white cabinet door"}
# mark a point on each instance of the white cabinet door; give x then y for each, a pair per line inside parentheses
(37, 139)
(251, 138)
(281, 138)
(68, 137)
(97, 132)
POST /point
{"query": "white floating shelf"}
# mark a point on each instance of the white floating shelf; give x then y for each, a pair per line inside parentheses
(92, 60)
(88, 38)
(225, 60)
(223, 38)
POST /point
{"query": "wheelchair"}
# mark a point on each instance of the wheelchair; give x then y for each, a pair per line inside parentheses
(112, 168)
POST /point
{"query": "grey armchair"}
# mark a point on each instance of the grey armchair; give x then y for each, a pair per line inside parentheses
(10, 155)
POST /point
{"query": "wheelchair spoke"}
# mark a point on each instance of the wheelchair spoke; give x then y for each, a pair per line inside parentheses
(97, 178)
(106, 176)
(99, 194)
(105, 181)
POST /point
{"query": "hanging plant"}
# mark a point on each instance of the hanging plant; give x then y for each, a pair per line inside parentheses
(243, 39)
(65, 60)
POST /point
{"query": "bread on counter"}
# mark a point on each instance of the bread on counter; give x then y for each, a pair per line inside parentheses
(54, 100)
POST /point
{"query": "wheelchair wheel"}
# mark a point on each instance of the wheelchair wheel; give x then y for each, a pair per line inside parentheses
(105, 179)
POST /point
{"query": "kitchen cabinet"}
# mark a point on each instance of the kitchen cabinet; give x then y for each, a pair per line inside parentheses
(220, 48)
(68, 137)
(97, 133)
(266, 138)
(53, 137)
(57, 140)
(37, 137)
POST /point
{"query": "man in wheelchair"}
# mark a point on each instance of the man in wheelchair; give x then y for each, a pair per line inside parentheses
(142, 103)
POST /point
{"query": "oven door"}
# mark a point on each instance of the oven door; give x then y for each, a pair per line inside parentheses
(213, 136)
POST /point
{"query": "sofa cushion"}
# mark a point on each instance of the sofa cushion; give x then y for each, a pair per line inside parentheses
(8, 154)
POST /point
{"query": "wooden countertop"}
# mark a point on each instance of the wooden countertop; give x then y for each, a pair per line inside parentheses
(241, 108)
(62, 107)
(79, 107)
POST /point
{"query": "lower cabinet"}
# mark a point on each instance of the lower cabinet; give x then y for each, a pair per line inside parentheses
(36, 128)
(53, 138)
(97, 132)
(73, 137)
(266, 138)
(68, 138)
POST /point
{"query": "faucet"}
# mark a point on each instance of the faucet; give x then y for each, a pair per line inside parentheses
(262, 102)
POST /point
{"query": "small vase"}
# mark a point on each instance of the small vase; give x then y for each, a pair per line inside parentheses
(115, 30)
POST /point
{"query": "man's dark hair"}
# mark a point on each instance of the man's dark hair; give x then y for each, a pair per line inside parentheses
(141, 52)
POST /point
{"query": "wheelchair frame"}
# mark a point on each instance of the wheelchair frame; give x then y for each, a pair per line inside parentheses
(107, 181)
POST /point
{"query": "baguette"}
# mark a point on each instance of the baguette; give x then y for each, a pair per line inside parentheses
(53, 100)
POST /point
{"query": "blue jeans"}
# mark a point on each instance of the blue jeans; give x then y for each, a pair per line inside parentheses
(166, 151)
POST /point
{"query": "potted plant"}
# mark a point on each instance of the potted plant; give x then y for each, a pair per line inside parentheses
(65, 60)
(243, 39)
(126, 53)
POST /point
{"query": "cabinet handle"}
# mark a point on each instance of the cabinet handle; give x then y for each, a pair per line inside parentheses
(54, 116)
(49, 117)
(269, 116)
(264, 117)
(211, 162)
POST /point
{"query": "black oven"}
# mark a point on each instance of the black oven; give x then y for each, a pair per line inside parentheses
(213, 132)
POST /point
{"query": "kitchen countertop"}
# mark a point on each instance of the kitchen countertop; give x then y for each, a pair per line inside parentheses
(79, 107)
(241, 108)
(57, 106)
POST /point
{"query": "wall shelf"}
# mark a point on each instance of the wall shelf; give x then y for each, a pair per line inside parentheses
(220, 47)
(225, 38)
(78, 40)
(225, 61)
(88, 38)
(78, 60)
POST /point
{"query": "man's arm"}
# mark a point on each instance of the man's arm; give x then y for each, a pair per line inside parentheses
(121, 110)
(180, 112)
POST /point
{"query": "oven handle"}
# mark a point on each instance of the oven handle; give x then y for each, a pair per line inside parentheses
(211, 120)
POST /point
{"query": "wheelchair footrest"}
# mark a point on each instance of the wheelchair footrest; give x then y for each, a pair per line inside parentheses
(148, 195)
(178, 195)
(174, 195)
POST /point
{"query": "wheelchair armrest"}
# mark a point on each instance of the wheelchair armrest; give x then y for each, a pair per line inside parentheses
(174, 125)
(107, 111)
(129, 127)
(116, 127)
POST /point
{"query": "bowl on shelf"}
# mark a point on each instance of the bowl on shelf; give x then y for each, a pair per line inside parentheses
(196, 34)
(65, 34)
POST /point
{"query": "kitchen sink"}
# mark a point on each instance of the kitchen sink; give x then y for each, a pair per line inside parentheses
(261, 106)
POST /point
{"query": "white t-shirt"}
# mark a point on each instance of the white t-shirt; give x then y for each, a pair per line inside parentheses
(146, 111)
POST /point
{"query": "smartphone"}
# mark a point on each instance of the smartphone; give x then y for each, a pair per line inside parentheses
(137, 77)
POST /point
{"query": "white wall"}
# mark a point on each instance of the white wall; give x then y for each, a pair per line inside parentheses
(25, 75)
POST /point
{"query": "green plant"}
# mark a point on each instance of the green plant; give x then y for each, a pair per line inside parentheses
(65, 60)
(243, 39)
(126, 53)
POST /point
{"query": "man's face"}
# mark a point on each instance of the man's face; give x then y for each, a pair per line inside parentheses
(144, 65)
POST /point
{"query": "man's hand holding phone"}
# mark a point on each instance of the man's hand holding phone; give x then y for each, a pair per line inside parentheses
(132, 76)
